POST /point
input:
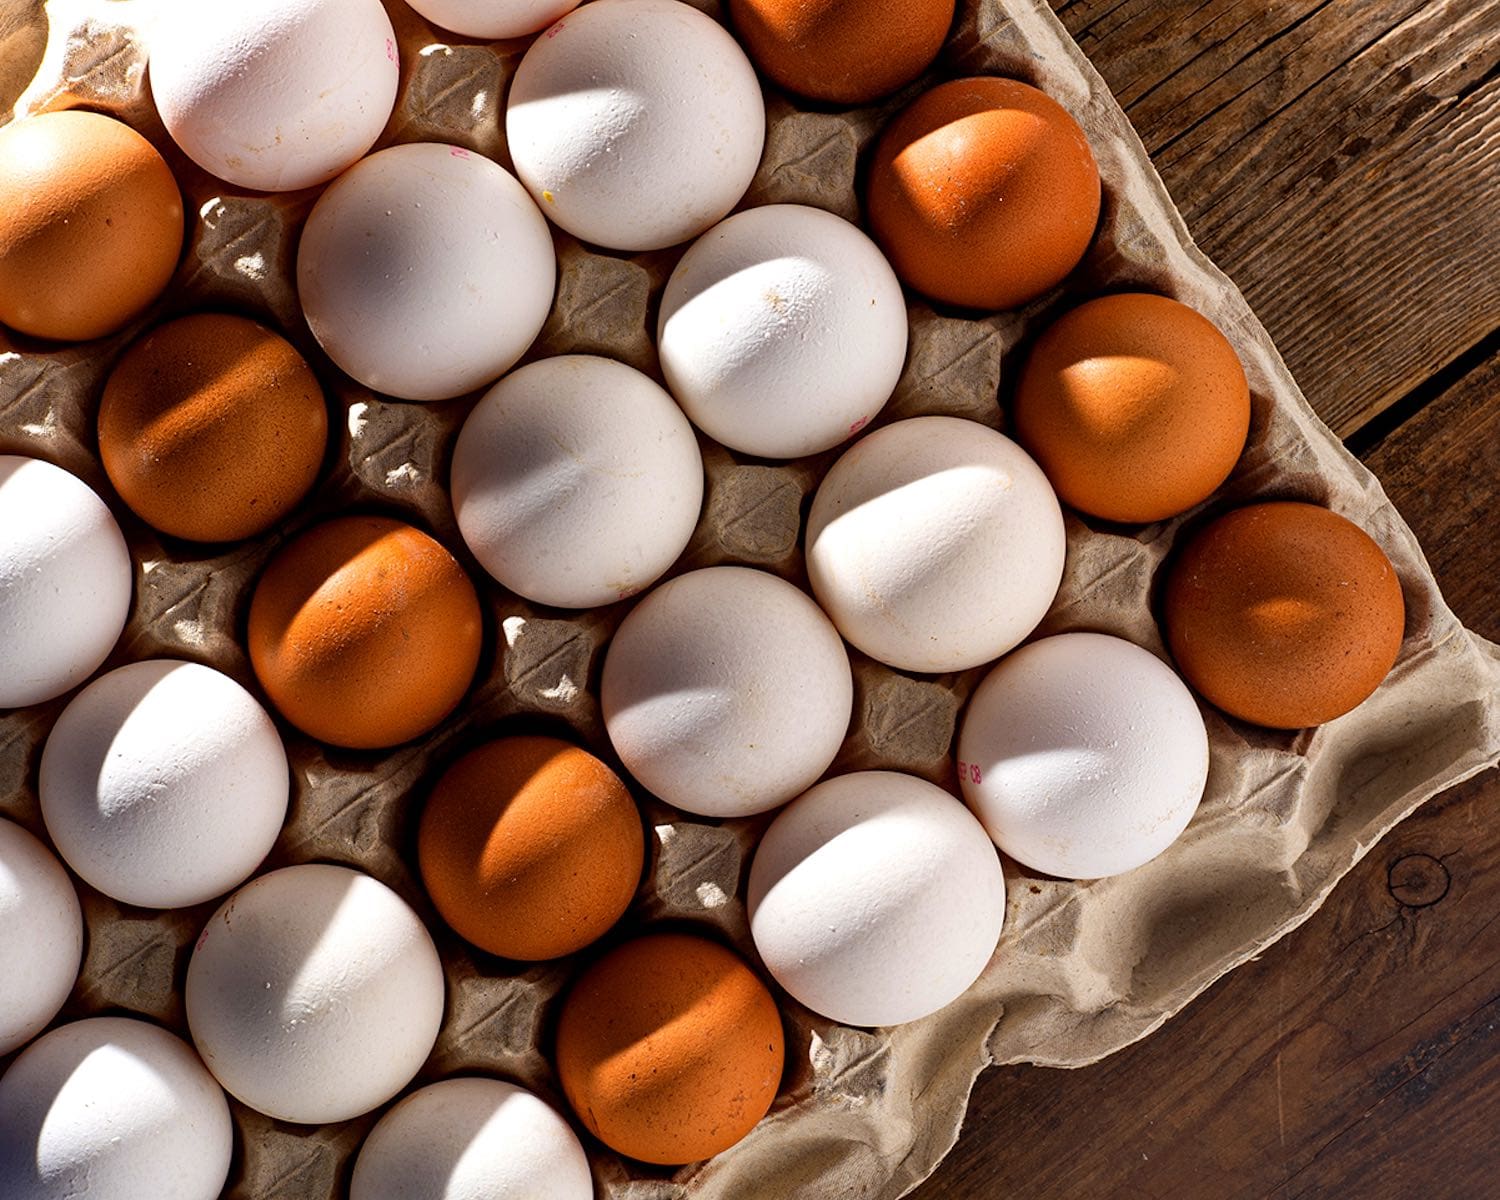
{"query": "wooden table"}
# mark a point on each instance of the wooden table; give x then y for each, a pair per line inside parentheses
(1340, 159)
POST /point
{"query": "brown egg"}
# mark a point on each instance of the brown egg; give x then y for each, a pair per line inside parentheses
(364, 632)
(843, 51)
(1135, 405)
(212, 428)
(670, 1049)
(984, 193)
(90, 225)
(1284, 614)
(531, 848)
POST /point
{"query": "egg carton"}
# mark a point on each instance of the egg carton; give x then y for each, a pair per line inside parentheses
(1081, 970)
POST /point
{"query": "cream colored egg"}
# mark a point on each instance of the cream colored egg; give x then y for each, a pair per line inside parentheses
(494, 18)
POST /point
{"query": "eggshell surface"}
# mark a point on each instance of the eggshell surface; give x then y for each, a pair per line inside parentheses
(364, 631)
(1135, 405)
(276, 95)
(65, 581)
(425, 271)
(164, 784)
(726, 692)
(1083, 755)
(984, 193)
(670, 1049)
(935, 544)
(314, 994)
(41, 936)
(212, 428)
(530, 847)
(782, 331)
(875, 898)
(635, 124)
(576, 481)
(494, 18)
(1284, 614)
(116, 1108)
(472, 1139)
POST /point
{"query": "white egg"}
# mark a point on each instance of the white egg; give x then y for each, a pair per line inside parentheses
(65, 580)
(425, 271)
(935, 544)
(112, 1108)
(41, 936)
(1084, 755)
(875, 898)
(726, 692)
(576, 481)
(164, 784)
(782, 331)
(493, 18)
(275, 95)
(472, 1139)
(314, 994)
(636, 124)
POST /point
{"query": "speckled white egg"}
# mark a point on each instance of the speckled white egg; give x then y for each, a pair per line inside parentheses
(726, 692)
(935, 544)
(493, 18)
(636, 124)
(164, 784)
(65, 581)
(112, 1107)
(425, 271)
(782, 331)
(576, 481)
(41, 936)
(875, 898)
(314, 994)
(275, 95)
(1084, 755)
(472, 1139)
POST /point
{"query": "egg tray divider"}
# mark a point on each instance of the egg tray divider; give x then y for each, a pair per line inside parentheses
(1082, 968)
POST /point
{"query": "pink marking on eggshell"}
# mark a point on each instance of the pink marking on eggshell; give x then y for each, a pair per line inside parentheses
(390, 49)
(459, 152)
(859, 424)
(556, 29)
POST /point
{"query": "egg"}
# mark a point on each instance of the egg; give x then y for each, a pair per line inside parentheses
(1283, 614)
(635, 124)
(425, 271)
(277, 95)
(726, 692)
(782, 331)
(212, 428)
(163, 784)
(41, 936)
(842, 51)
(65, 581)
(983, 193)
(1083, 755)
(530, 847)
(875, 898)
(463, 1139)
(935, 544)
(90, 225)
(1135, 405)
(314, 994)
(576, 481)
(364, 631)
(494, 18)
(670, 1049)
(112, 1107)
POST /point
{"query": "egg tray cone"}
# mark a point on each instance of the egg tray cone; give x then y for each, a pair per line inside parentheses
(1082, 969)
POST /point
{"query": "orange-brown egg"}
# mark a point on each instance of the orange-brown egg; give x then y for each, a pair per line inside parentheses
(530, 847)
(90, 225)
(670, 1049)
(1284, 614)
(984, 193)
(212, 428)
(1136, 406)
(842, 51)
(364, 632)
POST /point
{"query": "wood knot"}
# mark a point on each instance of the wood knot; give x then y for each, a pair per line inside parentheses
(1417, 880)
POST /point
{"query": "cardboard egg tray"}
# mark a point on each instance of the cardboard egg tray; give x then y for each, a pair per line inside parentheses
(1082, 968)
